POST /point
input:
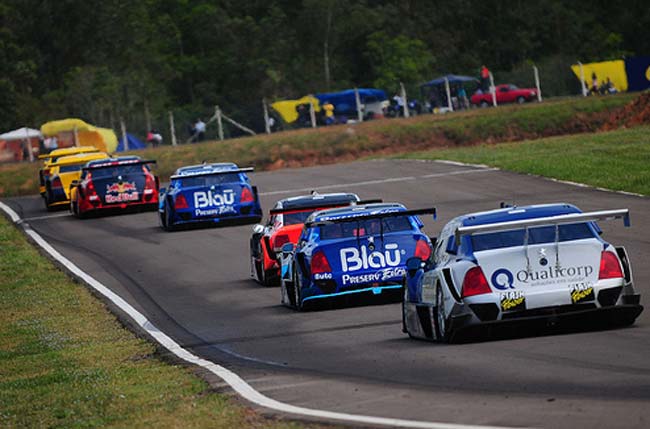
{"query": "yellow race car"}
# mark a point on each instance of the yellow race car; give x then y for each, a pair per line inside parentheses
(53, 156)
(62, 173)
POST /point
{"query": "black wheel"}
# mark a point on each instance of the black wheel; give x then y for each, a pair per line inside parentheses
(484, 104)
(405, 328)
(297, 299)
(521, 100)
(164, 220)
(441, 325)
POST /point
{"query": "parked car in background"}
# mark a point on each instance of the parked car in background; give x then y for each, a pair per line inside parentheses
(505, 93)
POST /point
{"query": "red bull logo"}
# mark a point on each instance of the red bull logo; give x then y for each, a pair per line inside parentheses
(121, 192)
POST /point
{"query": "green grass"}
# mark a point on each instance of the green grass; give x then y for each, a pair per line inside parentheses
(343, 143)
(618, 160)
(65, 361)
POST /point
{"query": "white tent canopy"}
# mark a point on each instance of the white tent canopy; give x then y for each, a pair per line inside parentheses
(21, 134)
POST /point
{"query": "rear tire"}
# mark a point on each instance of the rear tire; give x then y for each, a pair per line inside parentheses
(297, 299)
(484, 104)
(441, 325)
(521, 100)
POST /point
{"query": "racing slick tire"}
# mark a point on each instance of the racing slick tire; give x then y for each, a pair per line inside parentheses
(46, 198)
(297, 299)
(164, 221)
(441, 322)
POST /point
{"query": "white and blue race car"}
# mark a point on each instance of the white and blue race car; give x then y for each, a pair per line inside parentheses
(215, 194)
(533, 265)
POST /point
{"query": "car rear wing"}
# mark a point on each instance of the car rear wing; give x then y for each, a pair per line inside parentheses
(108, 164)
(212, 173)
(389, 212)
(545, 221)
(322, 206)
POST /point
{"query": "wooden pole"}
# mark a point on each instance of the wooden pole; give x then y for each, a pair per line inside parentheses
(217, 112)
(312, 114)
(357, 100)
(493, 90)
(582, 80)
(124, 138)
(405, 107)
(147, 114)
(237, 124)
(172, 129)
(267, 126)
(450, 106)
(537, 85)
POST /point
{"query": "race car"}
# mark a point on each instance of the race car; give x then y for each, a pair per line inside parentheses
(206, 194)
(285, 223)
(114, 184)
(61, 174)
(352, 255)
(524, 266)
(53, 156)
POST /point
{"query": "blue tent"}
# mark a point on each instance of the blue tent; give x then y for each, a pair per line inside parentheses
(345, 103)
(452, 78)
(134, 143)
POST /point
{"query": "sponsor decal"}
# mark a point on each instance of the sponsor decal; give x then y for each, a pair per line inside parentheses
(121, 192)
(213, 199)
(513, 300)
(353, 215)
(582, 291)
(323, 276)
(215, 212)
(384, 275)
(353, 259)
(502, 279)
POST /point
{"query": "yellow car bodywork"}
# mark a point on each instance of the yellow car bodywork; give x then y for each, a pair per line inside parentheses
(53, 156)
(62, 173)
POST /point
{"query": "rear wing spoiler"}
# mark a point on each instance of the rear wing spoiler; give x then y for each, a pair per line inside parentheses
(390, 213)
(108, 164)
(212, 173)
(273, 212)
(545, 221)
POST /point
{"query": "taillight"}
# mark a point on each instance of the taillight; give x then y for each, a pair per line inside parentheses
(319, 263)
(56, 183)
(149, 182)
(422, 250)
(609, 266)
(180, 202)
(475, 283)
(280, 240)
(246, 196)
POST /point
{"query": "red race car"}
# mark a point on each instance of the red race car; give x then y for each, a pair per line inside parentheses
(284, 226)
(505, 93)
(114, 184)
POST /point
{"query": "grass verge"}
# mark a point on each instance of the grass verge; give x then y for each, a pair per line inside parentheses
(345, 143)
(65, 361)
(615, 160)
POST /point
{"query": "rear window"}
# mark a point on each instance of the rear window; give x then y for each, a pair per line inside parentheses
(69, 168)
(118, 170)
(366, 227)
(296, 218)
(212, 179)
(538, 235)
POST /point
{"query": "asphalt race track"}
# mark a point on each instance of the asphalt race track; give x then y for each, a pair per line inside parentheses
(195, 285)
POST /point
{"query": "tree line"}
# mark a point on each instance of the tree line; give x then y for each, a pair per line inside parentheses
(136, 59)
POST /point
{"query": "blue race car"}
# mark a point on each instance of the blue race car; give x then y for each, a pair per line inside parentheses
(524, 266)
(352, 254)
(209, 194)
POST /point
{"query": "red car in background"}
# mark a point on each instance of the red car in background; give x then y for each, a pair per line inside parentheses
(506, 93)
(284, 225)
(114, 184)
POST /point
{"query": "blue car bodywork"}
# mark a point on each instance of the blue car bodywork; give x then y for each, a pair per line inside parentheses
(209, 194)
(353, 252)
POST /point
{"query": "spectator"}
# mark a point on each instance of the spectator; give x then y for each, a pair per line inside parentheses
(154, 138)
(399, 104)
(611, 88)
(594, 83)
(463, 102)
(199, 130)
(485, 78)
(328, 109)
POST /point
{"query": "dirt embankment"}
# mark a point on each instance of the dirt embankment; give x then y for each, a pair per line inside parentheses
(634, 114)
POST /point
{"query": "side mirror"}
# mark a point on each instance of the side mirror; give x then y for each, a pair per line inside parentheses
(287, 248)
(258, 228)
(413, 264)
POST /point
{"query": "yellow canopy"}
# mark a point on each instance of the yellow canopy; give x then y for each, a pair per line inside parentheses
(103, 139)
(614, 70)
(287, 108)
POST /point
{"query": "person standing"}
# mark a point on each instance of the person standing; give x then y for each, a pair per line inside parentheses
(199, 130)
(328, 107)
(485, 78)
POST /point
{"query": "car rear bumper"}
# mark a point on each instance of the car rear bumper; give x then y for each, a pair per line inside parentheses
(465, 325)
(365, 296)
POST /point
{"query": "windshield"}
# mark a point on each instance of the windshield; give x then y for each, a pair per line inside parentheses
(538, 235)
(360, 228)
(118, 170)
(211, 179)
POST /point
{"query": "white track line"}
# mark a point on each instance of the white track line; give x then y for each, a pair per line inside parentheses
(480, 169)
(234, 380)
